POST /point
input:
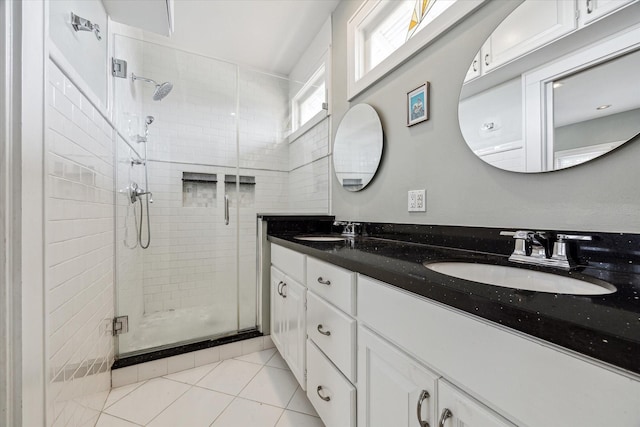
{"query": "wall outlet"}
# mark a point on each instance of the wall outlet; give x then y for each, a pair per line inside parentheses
(417, 201)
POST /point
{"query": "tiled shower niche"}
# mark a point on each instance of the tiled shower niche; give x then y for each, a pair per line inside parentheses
(199, 190)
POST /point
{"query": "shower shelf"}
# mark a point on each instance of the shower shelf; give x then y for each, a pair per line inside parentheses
(199, 177)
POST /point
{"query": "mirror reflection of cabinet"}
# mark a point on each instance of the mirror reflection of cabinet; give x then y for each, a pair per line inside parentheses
(548, 83)
(357, 148)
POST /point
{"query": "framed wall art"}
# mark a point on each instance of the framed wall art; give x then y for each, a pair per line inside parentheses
(418, 105)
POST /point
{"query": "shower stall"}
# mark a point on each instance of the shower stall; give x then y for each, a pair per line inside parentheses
(216, 154)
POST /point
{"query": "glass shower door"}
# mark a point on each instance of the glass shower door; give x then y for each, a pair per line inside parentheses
(184, 287)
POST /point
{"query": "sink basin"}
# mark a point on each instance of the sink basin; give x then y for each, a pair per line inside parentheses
(320, 238)
(521, 278)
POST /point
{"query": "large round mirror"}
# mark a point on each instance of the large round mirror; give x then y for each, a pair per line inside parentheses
(548, 91)
(357, 149)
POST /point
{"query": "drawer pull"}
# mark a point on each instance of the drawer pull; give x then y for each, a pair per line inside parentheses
(324, 282)
(325, 333)
(279, 285)
(446, 414)
(325, 398)
(423, 396)
(284, 285)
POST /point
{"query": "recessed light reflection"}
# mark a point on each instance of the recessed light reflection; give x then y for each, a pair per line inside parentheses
(556, 85)
(603, 107)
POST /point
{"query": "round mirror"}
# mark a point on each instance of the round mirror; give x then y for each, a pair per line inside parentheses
(357, 149)
(546, 92)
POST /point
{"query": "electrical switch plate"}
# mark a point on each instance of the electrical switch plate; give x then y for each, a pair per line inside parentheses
(417, 201)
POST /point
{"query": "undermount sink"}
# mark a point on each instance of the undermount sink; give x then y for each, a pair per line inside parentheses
(521, 278)
(320, 238)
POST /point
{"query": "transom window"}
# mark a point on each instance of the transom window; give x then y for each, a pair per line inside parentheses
(309, 100)
(382, 34)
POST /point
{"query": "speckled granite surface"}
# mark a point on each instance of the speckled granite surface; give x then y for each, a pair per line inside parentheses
(605, 327)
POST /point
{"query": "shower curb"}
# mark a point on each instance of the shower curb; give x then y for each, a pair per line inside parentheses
(132, 369)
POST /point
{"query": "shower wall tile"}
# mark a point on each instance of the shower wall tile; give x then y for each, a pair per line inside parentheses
(309, 171)
(79, 259)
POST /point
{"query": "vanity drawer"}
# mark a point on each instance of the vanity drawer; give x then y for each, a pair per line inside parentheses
(288, 261)
(330, 393)
(332, 283)
(333, 332)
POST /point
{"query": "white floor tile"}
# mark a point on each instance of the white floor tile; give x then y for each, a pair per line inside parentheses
(198, 407)
(118, 393)
(243, 412)
(144, 403)
(259, 357)
(230, 376)
(272, 386)
(106, 420)
(194, 375)
(296, 419)
(300, 403)
(277, 361)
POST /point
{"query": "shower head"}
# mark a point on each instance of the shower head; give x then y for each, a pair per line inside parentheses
(162, 89)
(149, 119)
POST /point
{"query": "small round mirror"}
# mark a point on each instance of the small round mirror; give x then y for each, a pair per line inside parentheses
(546, 93)
(357, 148)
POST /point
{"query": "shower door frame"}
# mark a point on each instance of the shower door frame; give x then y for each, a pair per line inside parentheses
(234, 219)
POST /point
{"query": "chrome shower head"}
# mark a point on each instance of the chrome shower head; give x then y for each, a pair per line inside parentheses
(149, 119)
(162, 89)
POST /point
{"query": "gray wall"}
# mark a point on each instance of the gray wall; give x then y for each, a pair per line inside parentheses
(612, 128)
(602, 195)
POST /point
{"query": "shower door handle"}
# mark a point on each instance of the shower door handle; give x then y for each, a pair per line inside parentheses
(226, 209)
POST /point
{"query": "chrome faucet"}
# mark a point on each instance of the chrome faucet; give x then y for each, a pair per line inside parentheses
(535, 248)
(349, 227)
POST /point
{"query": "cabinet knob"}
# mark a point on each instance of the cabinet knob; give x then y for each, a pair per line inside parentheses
(446, 414)
(324, 282)
(423, 396)
(325, 333)
(325, 398)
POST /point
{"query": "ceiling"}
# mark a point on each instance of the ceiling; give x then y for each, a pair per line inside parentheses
(270, 35)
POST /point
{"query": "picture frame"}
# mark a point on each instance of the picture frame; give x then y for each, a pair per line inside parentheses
(418, 105)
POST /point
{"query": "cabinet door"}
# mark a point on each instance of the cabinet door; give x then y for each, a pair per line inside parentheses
(533, 24)
(474, 68)
(457, 409)
(296, 328)
(591, 10)
(278, 323)
(392, 387)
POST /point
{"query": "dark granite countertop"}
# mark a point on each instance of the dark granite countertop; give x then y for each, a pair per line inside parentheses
(604, 327)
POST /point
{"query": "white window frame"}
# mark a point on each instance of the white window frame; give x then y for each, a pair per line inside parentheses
(300, 128)
(357, 79)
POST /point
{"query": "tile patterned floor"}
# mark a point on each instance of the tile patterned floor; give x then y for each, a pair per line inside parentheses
(255, 390)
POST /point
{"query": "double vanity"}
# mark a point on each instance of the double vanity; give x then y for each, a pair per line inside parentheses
(413, 325)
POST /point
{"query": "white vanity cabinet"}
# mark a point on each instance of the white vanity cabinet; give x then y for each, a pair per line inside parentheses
(522, 379)
(288, 311)
(592, 10)
(456, 408)
(393, 388)
(331, 348)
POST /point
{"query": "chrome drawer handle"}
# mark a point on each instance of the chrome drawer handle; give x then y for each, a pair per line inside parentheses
(325, 398)
(324, 282)
(327, 333)
(279, 285)
(284, 285)
(446, 414)
(423, 396)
